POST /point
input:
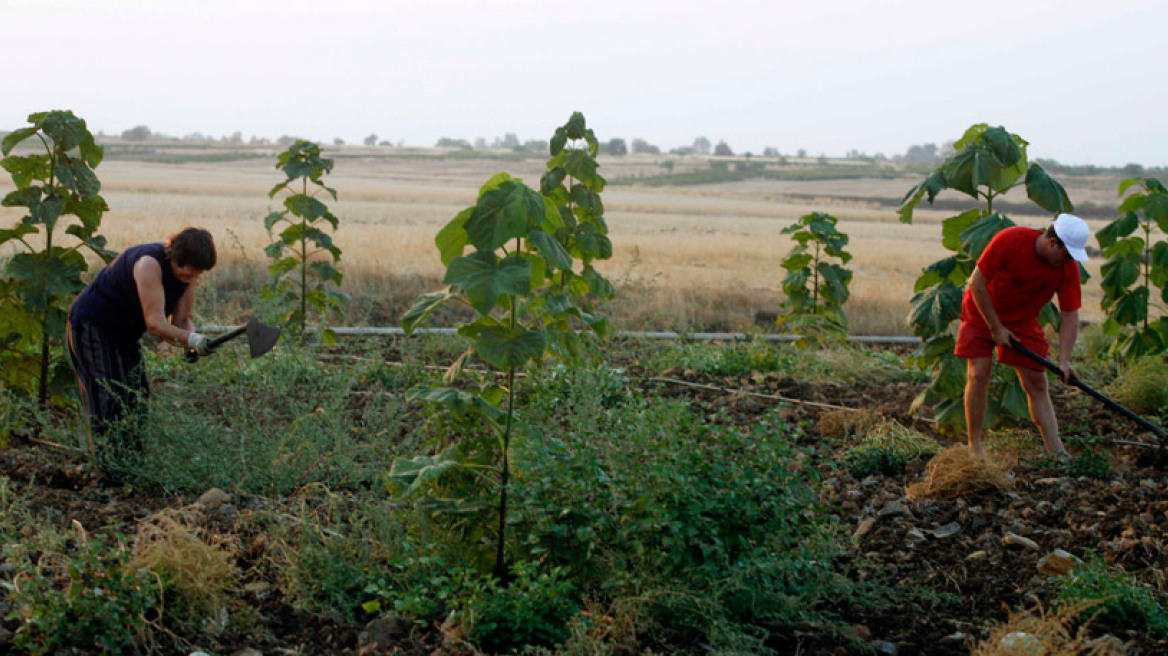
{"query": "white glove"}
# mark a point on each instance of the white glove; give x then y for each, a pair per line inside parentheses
(198, 343)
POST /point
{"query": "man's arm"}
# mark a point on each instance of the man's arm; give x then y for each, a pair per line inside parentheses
(148, 277)
(1068, 334)
(978, 286)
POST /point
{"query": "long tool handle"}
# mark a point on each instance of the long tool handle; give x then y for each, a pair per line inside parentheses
(1156, 430)
(192, 355)
(229, 335)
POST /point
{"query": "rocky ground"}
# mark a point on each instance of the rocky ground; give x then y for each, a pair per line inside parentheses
(971, 560)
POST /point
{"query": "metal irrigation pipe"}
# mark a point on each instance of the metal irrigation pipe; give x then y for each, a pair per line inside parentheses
(394, 331)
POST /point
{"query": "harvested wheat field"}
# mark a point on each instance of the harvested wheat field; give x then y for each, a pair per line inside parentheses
(700, 257)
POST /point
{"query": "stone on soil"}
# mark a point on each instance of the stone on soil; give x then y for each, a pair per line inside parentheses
(1057, 563)
(1015, 540)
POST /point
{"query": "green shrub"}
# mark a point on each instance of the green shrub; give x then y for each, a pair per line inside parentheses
(94, 599)
(336, 550)
(734, 357)
(716, 530)
(888, 450)
(1124, 603)
(270, 425)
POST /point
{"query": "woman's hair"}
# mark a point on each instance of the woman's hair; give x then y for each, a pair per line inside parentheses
(192, 247)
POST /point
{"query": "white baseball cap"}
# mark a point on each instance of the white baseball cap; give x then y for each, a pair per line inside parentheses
(1074, 233)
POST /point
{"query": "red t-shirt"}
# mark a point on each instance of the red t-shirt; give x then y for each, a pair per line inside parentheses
(1020, 283)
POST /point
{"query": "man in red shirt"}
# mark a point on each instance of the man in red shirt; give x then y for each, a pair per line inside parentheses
(1021, 270)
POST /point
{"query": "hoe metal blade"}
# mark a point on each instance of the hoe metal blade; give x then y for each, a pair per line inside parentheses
(261, 337)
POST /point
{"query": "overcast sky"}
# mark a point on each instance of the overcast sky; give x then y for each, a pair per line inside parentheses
(1082, 80)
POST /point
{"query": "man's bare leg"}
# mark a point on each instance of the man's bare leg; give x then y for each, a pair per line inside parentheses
(977, 390)
(1041, 408)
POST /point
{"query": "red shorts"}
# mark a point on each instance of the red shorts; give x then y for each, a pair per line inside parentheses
(974, 340)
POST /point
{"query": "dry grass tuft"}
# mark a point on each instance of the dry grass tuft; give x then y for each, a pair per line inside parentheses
(196, 568)
(848, 423)
(1043, 633)
(957, 473)
(1143, 386)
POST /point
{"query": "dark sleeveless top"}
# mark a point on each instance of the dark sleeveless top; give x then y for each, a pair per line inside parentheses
(111, 300)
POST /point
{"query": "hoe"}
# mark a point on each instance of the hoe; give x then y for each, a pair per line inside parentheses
(260, 339)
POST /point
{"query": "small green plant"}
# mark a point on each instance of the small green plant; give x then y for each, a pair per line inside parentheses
(93, 599)
(296, 251)
(1092, 461)
(988, 163)
(816, 288)
(1136, 267)
(41, 278)
(888, 450)
(532, 611)
(522, 283)
(1124, 603)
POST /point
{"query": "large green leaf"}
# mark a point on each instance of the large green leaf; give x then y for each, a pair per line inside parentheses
(452, 238)
(502, 214)
(89, 210)
(484, 277)
(952, 227)
(1121, 227)
(510, 347)
(11, 139)
(1012, 400)
(551, 250)
(66, 130)
(1156, 209)
(47, 275)
(21, 230)
(598, 285)
(408, 475)
(1131, 248)
(1132, 308)
(949, 374)
(1001, 143)
(1046, 191)
(976, 237)
(932, 186)
(797, 261)
(26, 169)
(935, 308)
(581, 166)
(969, 169)
(27, 197)
(462, 403)
(1159, 262)
(1118, 274)
(422, 308)
(586, 199)
(81, 179)
(305, 207)
(552, 180)
(48, 211)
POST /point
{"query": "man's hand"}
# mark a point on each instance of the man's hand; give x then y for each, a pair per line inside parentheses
(1002, 335)
(199, 343)
(1068, 372)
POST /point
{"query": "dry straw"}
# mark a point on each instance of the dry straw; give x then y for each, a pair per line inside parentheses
(848, 423)
(196, 568)
(1043, 633)
(957, 473)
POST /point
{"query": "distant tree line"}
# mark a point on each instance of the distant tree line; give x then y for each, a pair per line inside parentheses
(925, 154)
